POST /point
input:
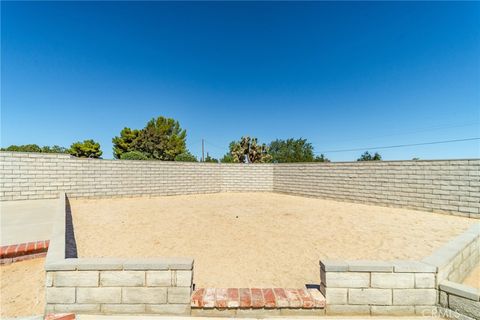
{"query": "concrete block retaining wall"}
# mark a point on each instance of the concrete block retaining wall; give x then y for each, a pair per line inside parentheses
(112, 285)
(378, 287)
(407, 287)
(38, 176)
(448, 186)
(458, 301)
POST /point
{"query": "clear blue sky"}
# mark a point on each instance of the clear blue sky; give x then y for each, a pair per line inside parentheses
(343, 75)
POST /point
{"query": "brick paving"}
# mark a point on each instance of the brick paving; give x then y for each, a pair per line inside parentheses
(23, 251)
(256, 298)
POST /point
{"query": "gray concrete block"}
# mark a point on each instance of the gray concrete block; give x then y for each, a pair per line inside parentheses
(76, 308)
(392, 310)
(347, 280)
(123, 308)
(424, 280)
(159, 264)
(460, 290)
(99, 295)
(184, 278)
(171, 309)
(382, 297)
(370, 266)
(413, 266)
(412, 297)
(60, 295)
(100, 264)
(334, 265)
(122, 278)
(337, 295)
(76, 279)
(392, 280)
(144, 295)
(159, 278)
(179, 294)
(350, 310)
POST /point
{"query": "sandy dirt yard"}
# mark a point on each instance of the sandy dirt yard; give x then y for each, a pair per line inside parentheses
(256, 239)
(22, 288)
(473, 279)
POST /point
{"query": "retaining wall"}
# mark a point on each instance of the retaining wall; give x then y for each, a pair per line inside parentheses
(112, 285)
(39, 176)
(378, 287)
(448, 186)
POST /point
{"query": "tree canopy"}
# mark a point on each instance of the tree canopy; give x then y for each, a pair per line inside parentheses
(248, 150)
(126, 142)
(291, 150)
(86, 149)
(36, 148)
(161, 139)
(366, 156)
(185, 157)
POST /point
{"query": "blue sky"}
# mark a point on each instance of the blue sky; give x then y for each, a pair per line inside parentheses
(343, 75)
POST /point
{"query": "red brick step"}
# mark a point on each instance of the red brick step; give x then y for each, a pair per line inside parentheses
(256, 298)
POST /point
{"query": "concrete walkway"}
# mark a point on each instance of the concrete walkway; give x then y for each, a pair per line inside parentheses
(26, 221)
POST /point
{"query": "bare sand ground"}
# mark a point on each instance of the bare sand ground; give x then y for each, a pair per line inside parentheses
(22, 288)
(473, 278)
(256, 239)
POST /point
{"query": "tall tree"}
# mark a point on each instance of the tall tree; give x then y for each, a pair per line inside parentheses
(291, 150)
(366, 156)
(126, 142)
(249, 150)
(86, 149)
(36, 148)
(162, 139)
(321, 158)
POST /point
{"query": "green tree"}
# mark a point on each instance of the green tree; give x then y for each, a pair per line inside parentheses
(186, 157)
(126, 142)
(291, 150)
(208, 158)
(162, 139)
(86, 149)
(54, 149)
(133, 155)
(366, 156)
(23, 148)
(227, 158)
(321, 158)
(36, 148)
(248, 150)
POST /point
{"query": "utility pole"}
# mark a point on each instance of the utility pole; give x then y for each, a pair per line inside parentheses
(203, 150)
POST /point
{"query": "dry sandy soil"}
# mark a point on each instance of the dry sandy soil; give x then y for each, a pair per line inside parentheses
(22, 291)
(256, 239)
(473, 279)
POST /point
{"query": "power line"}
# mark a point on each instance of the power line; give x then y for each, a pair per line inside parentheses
(425, 129)
(399, 145)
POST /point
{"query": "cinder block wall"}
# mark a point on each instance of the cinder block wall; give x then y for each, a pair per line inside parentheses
(379, 287)
(448, 186)
(39, 176)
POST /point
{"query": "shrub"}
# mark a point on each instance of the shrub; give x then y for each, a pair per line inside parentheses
(186, 157)
(133, 155)
(86, 149)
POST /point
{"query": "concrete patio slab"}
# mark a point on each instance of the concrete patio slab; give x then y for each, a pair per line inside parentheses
(26, 220)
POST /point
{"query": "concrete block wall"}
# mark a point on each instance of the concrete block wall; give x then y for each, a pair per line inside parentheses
(458, 257)
(379, 287)
(447, 186)
(38, 176)
(119, 287)
(458, 301)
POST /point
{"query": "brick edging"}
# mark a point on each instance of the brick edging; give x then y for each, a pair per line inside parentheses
(23, 251)
(267, 298)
